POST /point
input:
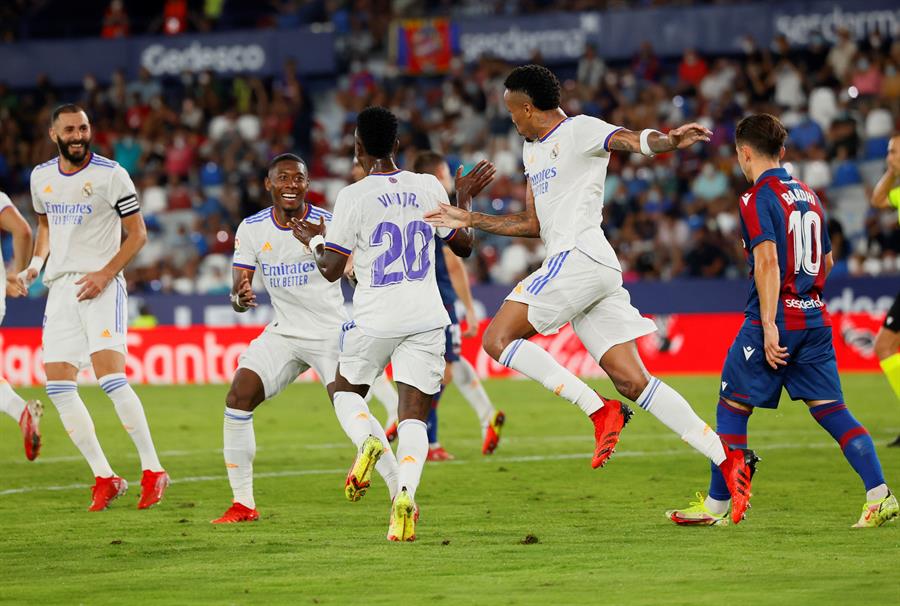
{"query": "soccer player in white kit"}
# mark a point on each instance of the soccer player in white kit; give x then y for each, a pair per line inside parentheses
(83, 202)
(581, 280)
(398, 315)
(26, 414)
(309, 313)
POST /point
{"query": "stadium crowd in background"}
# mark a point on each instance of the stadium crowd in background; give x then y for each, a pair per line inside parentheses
(197, 146)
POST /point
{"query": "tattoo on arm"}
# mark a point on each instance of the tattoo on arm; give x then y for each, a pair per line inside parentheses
(523, 224)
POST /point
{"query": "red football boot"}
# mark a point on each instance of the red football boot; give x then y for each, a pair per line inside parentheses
(439, 454)
(738, 468)
(153, 485)
(492, 436)
(29, 424)
(608, 424)
(391, 432)
(237, 513)
(105, 491)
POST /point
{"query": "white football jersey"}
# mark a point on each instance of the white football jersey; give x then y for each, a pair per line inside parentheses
(567, 170)
(5, 203)
(306, 304)
(379, 220)
(84, 211)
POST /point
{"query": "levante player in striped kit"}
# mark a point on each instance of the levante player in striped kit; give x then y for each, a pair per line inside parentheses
(786, 338)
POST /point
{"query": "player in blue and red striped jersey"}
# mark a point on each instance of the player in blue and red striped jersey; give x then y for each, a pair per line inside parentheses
(786, 339)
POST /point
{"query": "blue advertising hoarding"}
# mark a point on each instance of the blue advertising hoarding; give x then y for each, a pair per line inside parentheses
(252, 52)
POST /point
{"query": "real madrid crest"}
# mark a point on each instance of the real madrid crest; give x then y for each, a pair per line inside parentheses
(554, 154)
(87, 190)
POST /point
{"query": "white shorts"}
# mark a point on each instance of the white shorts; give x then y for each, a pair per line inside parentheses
(418, 360)
(572, 287)
(73, 329)
(279, 359)
(3, 306)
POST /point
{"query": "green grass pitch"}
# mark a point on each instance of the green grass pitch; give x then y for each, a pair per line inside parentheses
(601, 535)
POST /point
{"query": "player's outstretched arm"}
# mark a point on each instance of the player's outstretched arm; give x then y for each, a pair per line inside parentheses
(12, 222)
(767, 276)
(94, 283)
(524, 224)
(331, 263)
(658, 143)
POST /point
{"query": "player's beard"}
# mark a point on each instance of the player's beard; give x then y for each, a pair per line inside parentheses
(74, 158)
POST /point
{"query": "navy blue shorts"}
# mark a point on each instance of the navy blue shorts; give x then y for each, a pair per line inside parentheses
(453, 334)
(811, 372)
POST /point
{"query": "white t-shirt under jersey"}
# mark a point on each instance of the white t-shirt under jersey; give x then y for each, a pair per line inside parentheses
(84, 211)
(567, 170)
(380, 221)
(306, 304)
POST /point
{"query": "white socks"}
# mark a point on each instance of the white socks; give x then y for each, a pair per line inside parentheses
(131, 413)
(239, 450)
(877, 493)
(715, 506)
(412, 450)
(358, 423)
(10, 402)
(535, 363)
(466, 380)
(354, 416)
(674, 412)
(77, 422)
(384, 392)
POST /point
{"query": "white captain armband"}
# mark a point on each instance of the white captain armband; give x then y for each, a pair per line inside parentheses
(127, 205)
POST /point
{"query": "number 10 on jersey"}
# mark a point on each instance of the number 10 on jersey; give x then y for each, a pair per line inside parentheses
(806, 228)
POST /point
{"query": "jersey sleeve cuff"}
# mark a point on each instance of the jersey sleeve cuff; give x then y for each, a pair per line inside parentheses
(450, 236)
(244, 266)
(760, 239)
(337, 248)
(609, 137)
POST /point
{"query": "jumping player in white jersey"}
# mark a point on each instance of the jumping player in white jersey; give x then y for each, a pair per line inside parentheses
(83, 202)
(309, 313)
(581, 280)
(26, 414)
(398, 315)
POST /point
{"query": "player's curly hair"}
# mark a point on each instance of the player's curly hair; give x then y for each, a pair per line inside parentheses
(377, 129)
(763, 132)
(536, 81)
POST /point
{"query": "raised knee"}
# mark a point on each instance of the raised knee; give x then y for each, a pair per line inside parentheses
(494, 342)
(237, 401)
(630, 387)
